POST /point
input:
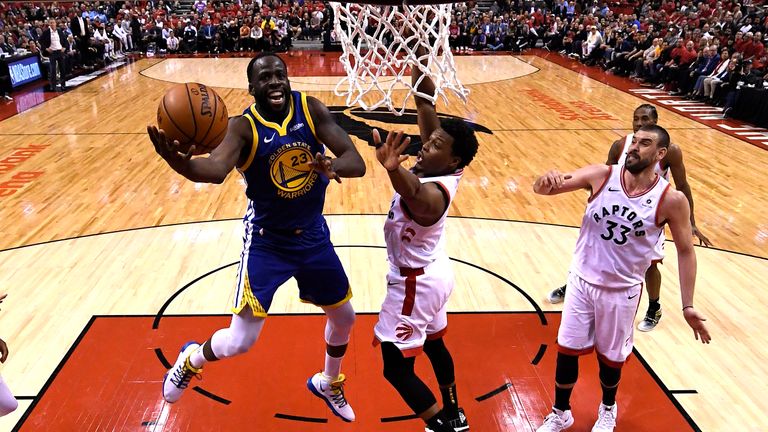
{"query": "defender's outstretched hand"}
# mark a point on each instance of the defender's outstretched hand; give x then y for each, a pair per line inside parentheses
(390, 154)
(550, 181)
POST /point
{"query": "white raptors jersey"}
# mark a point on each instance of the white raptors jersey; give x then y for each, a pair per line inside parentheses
(410, 244)
(618, 233)
(664, 172)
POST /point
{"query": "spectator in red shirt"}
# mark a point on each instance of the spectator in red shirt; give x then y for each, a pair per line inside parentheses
(739, 42)
(748, 46)
(758, 48)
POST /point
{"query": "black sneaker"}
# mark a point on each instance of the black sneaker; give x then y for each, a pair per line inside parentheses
(459, 424)
(650, 321)
(557, 295)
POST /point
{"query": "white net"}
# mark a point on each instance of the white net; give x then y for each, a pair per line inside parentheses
(379, 44)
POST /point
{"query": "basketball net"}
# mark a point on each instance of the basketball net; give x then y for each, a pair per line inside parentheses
(376, 61)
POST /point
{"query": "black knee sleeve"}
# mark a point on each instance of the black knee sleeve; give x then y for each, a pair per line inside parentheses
(441, 360)
(567, 370)
(398, 370)
(609, 376)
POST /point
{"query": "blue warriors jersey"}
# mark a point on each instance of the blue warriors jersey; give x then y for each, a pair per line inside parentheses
(284, 192)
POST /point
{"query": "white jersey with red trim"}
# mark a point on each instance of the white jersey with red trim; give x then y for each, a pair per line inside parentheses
(618, 233)
(658, 169)
(410, 244)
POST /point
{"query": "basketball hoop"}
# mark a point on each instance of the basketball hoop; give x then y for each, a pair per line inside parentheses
(376, 60)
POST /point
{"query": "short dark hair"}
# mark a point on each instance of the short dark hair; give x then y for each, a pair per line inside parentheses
(260, 56)
(464, 139)
(651, 108)
(661, 134)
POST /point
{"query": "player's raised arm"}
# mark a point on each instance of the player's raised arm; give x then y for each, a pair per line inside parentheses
(427, 113)
(425, 201)
(213, 168)
(675, 212)
(554, 182)
(348, 162)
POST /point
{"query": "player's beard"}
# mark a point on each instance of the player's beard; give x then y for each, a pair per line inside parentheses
(637, 166)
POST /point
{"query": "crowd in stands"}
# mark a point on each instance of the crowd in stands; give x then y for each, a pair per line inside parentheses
(702, 49)
(89, 35)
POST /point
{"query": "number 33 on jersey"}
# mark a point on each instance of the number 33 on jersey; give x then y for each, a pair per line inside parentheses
(619, 231)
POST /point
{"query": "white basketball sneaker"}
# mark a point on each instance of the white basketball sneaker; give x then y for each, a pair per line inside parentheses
(556, 421)
(332, 392)
(177, 378)
(606, 418)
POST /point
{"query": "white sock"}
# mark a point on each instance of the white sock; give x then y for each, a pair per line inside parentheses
(197, 359)
(337, 330)
(332, 367)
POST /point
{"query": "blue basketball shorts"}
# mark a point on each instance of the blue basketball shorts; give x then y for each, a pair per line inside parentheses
(264, 267)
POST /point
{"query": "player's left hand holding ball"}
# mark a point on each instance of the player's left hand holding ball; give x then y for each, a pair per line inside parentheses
(168, 149)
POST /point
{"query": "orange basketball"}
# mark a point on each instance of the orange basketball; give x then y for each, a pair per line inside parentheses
(193, 113)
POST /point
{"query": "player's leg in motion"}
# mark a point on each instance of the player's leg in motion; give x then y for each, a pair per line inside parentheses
(322, 281)
(653, 286)
(399, 371)
(412, 321)
(8, 403)
(575, 337)
(259, 274)
(442, 364)
(241, 334)
(614, 339)
(328, 384)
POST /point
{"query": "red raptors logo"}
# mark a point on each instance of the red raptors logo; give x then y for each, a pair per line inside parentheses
(403, 331)
(408, 235)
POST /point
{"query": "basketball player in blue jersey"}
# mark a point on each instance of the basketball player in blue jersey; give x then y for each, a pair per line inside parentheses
(646, 115)
(413, 317)
(278, 145)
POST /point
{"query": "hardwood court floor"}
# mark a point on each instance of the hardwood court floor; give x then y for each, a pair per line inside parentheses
(81, 164)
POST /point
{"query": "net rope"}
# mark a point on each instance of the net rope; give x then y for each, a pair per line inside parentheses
(377, 61)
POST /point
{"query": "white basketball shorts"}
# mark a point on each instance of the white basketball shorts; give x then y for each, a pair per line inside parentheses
(598, 318)
(414, 309)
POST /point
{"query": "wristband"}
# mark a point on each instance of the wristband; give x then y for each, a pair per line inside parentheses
(686, 307)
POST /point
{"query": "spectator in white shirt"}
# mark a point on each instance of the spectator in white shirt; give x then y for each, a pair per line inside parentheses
(173, 42)
(121, 37)
(594, 39)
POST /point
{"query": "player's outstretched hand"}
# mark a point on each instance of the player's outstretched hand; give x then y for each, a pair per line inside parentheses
(390, 154)
(323, 165)
(696, 322)
(550, 181)
(167, 149)
(3, 351)
(703, 240)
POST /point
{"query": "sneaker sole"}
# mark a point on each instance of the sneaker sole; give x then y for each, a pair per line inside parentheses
(645, 329)
(314, 391)
(461, 429)
(555, 300)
